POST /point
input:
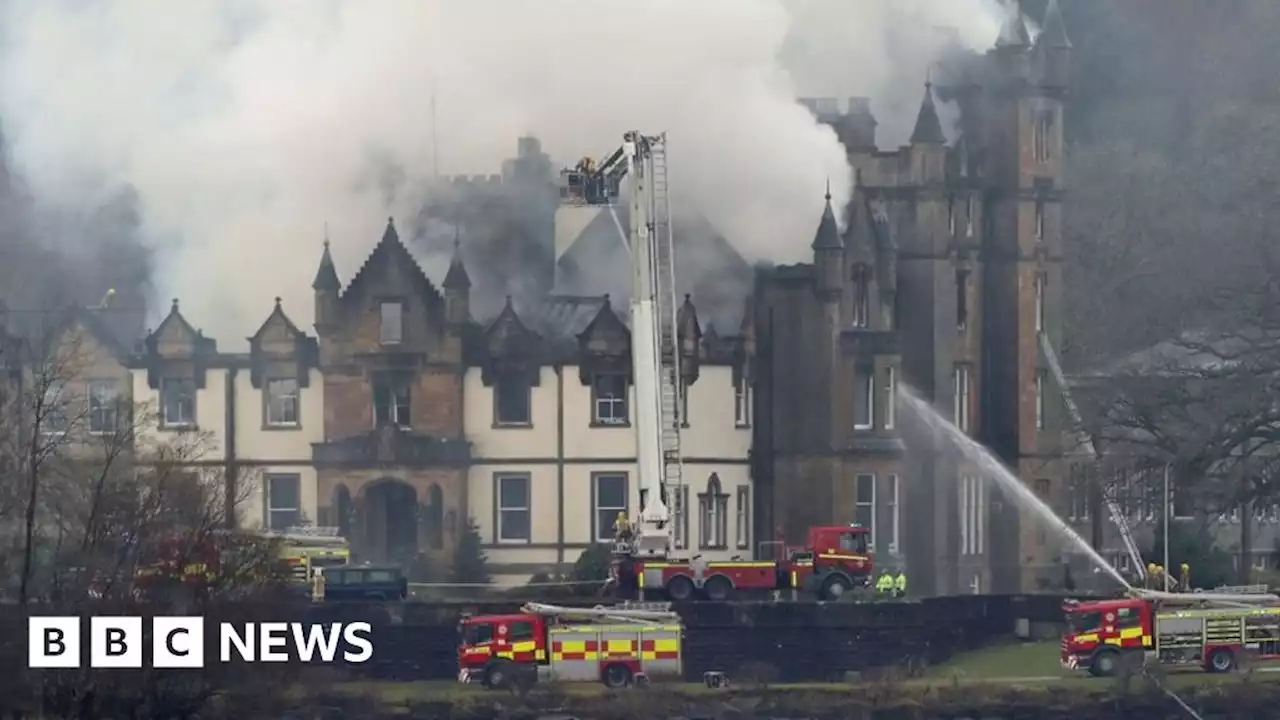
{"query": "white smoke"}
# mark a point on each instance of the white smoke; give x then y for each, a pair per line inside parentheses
(247, 125)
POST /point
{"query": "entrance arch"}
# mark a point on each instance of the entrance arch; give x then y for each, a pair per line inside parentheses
(390, 521)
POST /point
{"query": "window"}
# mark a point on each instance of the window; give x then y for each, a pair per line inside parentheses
(520, 631)
(1042, 490)
(1039, 399)
(1180, 500)
(678, 502)
(282, 402)
(103, 399)
(1039, 289)
(968, 215)
(609, 399)
(961, 405)
(891, 511)
(177, 402)
(1259, 561)
(392, 326)
(962, 299)
(861, 295)
(864, 500)
(951, 214)
(610, 491)
(53, 418)
(972, 515)
(684, 404)
(864, 399)
(743, 528)
(512, 400)
(1040, 136)
(513, 509)
(891, 397)
(1039, 219)
(1078, 497)
(742, 402)
(391, 400)
(283, 501)
(713, 516)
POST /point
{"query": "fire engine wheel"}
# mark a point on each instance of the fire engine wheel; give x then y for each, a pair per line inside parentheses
(1105, 663)
(497, 675)
(718, 588)
(835, 587)
(1221, 660)
(617, 676)
(679, 588)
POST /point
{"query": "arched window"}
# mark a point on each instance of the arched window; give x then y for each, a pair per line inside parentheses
(713, 520)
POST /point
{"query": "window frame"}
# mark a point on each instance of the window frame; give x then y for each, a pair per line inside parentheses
(962, 400)
(893, 513)
(393, 382)
(512, 384)
(1041, 407)
(962, 276)
(165, 422)
(742, 510)
(864, 380)
(269, 496)
(891, 397)
(869, 506)
(386, 323)
(112, 407)
(713, 516)
(501, 511)
(604, 534)
(1041, 282)
(742, 402)
(860, 278)
(612, 401)
(269, 399)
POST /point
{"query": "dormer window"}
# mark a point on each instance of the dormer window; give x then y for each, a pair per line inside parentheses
(392, 322)
(511, 402)
(609, 399)
(861, 279)
(282, 402)
(177, 402)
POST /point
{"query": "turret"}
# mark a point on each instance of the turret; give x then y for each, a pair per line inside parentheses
(1052, 52)
(828, 252)
(326, 286)
(1013, 47)
(457, 288)
(928, 141)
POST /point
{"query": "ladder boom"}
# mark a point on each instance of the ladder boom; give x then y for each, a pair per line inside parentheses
(1113, 508)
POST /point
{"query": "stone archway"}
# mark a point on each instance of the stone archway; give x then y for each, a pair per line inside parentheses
(390, 523)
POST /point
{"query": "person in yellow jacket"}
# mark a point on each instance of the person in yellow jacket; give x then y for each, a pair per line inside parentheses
(884, 584)
(900, 584)
(622, 528)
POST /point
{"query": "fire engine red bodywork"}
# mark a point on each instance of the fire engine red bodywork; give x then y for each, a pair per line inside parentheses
(834, 555)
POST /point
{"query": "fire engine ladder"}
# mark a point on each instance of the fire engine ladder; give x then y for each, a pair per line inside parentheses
(600, 613)
(1113, 508)
(671, 386)
(1210, 599)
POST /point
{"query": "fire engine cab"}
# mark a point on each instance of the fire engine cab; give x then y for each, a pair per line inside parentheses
(1210, 630)
(616, 646)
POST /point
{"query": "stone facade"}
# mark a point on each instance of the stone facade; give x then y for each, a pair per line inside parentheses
(946, 276)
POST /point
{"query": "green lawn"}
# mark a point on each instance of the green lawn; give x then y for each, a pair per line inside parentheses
(1006, 660)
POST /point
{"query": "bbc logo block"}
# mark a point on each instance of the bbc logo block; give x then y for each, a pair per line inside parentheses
(179, 642)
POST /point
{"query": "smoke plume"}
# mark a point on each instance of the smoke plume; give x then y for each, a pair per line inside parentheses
(246, 126)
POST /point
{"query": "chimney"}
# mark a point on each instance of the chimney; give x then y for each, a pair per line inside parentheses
(857, 129)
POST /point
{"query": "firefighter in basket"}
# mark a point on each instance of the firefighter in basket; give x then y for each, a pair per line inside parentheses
(622, 532)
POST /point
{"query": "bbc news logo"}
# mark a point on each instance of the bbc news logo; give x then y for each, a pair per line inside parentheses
(179, 642)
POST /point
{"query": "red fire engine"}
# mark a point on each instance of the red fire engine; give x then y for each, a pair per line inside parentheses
(1210, 630)
(616, 646)
(835, 560)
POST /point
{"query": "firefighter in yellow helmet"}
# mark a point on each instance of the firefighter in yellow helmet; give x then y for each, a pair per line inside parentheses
(622, 529)
(900, 584)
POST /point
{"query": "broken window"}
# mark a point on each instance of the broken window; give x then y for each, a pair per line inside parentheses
(962, 299)
(391, 400)
(512, 396)
(609, 399)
